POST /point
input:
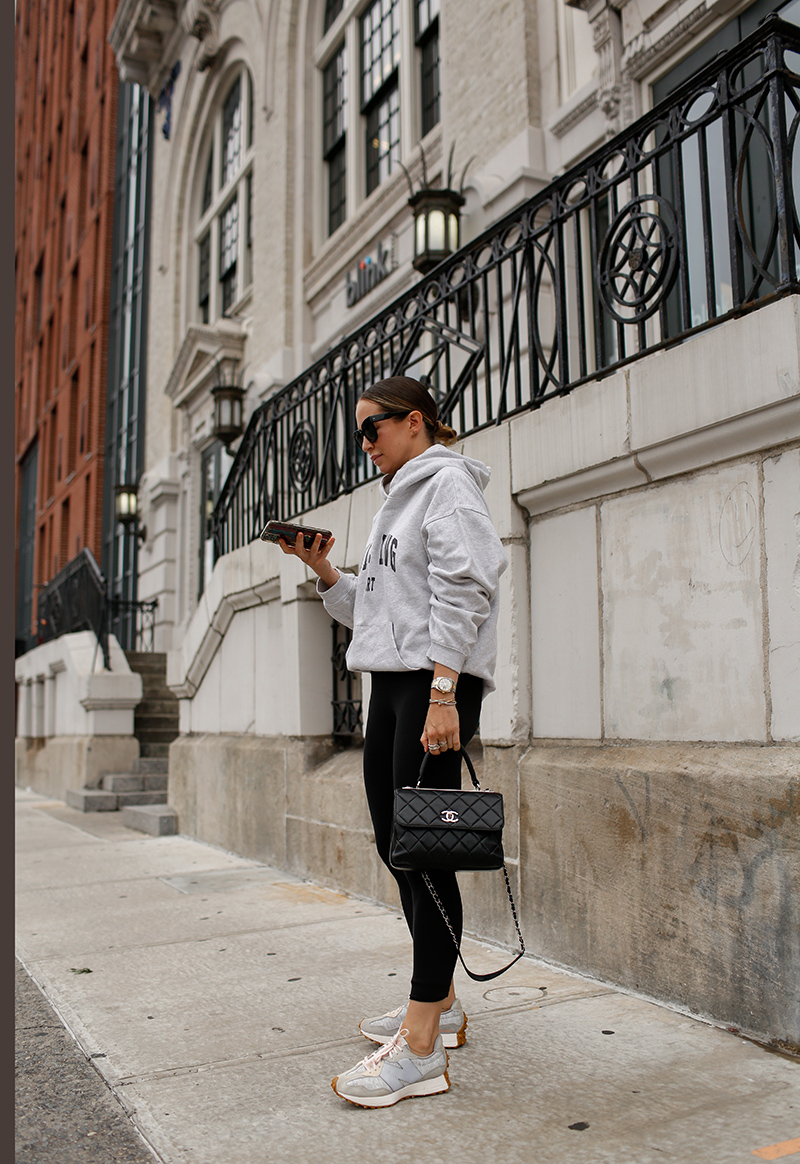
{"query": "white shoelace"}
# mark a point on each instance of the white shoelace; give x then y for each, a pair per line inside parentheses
(373, 1063)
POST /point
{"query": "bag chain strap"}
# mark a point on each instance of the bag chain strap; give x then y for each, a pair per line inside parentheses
(443, 912)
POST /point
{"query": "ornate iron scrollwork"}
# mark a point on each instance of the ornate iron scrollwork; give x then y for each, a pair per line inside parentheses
(549, 298)
(638, 259)
(302, 456)
(346, 702)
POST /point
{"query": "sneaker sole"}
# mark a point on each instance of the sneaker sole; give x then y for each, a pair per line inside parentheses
(414, 1091)
(451, 1039)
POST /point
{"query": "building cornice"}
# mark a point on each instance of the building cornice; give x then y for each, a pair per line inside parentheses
(148, 35)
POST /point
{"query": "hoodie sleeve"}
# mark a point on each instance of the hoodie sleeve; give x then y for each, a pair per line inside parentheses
(466, 559)
(339, 599)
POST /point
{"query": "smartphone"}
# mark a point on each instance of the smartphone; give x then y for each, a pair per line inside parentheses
(276, 531)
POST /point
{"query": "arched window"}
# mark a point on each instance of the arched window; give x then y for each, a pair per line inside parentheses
(224, 231)
(395, 80)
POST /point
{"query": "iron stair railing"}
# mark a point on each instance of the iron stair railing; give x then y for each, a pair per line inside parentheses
(77, 599)
(686, 218)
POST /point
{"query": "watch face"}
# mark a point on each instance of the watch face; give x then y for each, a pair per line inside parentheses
(443, 684)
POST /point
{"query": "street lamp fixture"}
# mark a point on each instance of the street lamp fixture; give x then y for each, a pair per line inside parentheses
(126, 509)
(437, 217)
(228, 396)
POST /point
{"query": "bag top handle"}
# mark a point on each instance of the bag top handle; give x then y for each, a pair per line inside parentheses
(465, 757)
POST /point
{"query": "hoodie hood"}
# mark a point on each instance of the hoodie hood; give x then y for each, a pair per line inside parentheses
(430, 462)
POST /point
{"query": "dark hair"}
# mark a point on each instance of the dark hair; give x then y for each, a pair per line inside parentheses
(402, 394)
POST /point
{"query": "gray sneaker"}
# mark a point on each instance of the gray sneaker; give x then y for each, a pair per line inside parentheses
(392, 1073)
(452, 1026)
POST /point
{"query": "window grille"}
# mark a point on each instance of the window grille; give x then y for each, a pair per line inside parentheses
(426, 14)
(224, 200)
(383, 139)
(204, 275)
(208, 185)
(232, 133)
(380, 46)
(228, 247)
(332, 10)
(380, 92)
(334, 136)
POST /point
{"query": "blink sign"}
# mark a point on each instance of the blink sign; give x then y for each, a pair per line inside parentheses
(368, 274)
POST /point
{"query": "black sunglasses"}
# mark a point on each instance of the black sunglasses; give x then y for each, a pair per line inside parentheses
(368, 429)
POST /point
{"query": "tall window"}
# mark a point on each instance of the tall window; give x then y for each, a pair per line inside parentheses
(426, 21)
(334, 135)
(380, 88)
(223, 235)
(367, 97)
(126, 389)
(215, 465)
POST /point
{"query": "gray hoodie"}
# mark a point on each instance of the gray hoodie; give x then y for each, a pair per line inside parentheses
(426, 591)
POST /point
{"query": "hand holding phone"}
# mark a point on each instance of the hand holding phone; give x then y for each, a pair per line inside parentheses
(284, 531)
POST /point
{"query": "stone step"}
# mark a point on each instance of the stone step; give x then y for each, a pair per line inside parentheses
(146, 659)
(151, 671)
(157, 820)
(91, 800)
(122, 782)
(156, 735)
(158, 694)
(156, 711)
(151, 765)
(157, 782)
(152, 686)
(150, 751)
(127, 799)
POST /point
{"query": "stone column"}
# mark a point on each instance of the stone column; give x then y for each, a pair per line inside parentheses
(25, 710)
(49, 705)
(614, 91)
(38, 707)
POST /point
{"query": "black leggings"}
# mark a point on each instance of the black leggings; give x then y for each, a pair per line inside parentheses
(393, 753)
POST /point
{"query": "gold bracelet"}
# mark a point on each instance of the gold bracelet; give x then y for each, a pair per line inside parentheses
(443, 702)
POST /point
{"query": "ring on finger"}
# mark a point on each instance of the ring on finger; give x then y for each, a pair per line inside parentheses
(442, 743)
(433, 747)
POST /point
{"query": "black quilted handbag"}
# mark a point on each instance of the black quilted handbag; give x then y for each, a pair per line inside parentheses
(445, 828)
(450, 829)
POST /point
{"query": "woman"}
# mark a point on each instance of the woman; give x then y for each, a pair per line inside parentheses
(423, 611)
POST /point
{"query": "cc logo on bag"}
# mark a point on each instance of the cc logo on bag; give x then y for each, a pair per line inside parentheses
(449, 816)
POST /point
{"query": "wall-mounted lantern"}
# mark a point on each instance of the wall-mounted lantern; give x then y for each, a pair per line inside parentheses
(228, 396)
(437, 217)
(126, 509)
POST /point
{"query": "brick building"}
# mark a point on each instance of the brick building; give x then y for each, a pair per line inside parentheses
(65, 118)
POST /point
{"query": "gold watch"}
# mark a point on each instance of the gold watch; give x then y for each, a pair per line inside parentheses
(443, 684)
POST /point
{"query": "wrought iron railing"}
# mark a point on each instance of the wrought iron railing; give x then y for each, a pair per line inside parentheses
(77, 599)
(134, 622)
(346, 702)
(685, 218)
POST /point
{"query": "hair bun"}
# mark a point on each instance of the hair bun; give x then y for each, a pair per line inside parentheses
(444, 434)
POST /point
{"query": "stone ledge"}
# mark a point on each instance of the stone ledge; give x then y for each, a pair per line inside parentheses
(158, 820)
(670, 870)
(91, 800)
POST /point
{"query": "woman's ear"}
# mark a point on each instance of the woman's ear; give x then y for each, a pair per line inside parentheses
(416, 422)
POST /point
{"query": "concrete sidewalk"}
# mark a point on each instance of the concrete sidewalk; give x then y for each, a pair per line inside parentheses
(224, 995)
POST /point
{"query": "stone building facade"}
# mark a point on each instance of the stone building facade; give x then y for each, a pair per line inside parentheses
(646, 723)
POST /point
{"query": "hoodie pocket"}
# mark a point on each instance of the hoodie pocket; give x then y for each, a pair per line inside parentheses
(403, 666)
(374, 648)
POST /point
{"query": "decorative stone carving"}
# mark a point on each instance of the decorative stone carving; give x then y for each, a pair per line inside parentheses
(140, 35)
(612, 96)
(200, 18)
